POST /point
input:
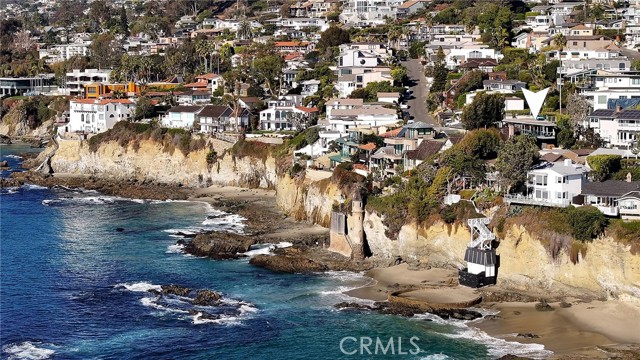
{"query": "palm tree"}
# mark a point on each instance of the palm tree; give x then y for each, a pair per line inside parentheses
(393, 36)
(560, 40)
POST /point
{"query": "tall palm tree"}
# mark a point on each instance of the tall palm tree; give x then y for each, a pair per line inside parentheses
(244, 30)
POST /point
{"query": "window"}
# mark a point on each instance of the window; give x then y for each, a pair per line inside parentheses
(602, 99)
(575, 43)
(635, 81)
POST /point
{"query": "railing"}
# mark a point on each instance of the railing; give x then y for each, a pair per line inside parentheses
(608, 210)
(525, 200)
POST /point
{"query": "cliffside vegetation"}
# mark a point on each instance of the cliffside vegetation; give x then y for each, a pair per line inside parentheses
(127, 133)
(21, 114)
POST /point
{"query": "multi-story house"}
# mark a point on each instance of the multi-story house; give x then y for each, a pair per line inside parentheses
(369, 12)
(286, 115)
(543, 130)
(394, 152)
(604, 88)
(76, 80)
(220, 118)
(96, 116)
(552, 184)
(300, 23)
(62, 52)
(617, 127)
(346, 84)
(181, 117)
(292, 46)
(573, 66)
(342, 120)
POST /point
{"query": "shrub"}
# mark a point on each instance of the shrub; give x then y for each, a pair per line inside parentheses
(212, 157)
(587, 222)
(295, 170)
(603, 166)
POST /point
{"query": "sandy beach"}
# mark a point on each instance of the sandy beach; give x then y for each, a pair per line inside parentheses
(583, 330)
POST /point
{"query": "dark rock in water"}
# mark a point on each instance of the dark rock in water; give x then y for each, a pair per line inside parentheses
(4, 164)
(301, 259)
(396, 309)
(206, 298)
(543, 306)
(4, 139)
(181, 242)
(119, 229)
(351, 306)
(173, 290)
(565, 304)
(458, 314)
(219, 245)
(186, 235)
(513, 357)
(528, 335)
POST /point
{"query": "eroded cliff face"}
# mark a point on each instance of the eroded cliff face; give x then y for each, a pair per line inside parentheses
(308, 200)
(607, 269)
(150, 162)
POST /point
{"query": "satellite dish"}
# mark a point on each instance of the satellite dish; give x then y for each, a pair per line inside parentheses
(535, 100)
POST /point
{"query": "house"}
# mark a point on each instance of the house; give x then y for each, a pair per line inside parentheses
(410, 7)
(310, 87)
(581, 30)
(484, 65)
(346, 84)
(629, 205)
(292, 46)
(284, 115)
(396, 147)
(77, 79)
(62, 52)
(181, 117)
(190, 97)
(425, 150)
(617, 127)
(10, 86)
(96, 116)
(506, 85)
(603, 87)
(341, 120)
(552, 184)
(369, 12)
(543, 130)
(607, 195)
(214, 118)
(388, 97)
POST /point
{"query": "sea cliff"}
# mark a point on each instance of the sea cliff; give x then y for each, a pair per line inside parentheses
(604, 268)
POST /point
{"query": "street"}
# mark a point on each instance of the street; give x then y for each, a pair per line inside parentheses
(417, 103)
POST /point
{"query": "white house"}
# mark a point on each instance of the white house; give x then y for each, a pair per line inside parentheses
(605, 86)
(617, 127)
(388, 97)
(342, 120)
(181, 116)
(77, 79)
(347, 83)
(369, 12)
(552, 184)
(96, 116)
(62, 52)
(281, 115)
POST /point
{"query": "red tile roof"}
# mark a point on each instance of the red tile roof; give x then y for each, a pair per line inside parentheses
(197, 84)
(290, 43)
(208, 76)
(103, 101)
(368, 147)
(391, 133)
(307, 109)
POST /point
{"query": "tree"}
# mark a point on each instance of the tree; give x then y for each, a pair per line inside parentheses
(515, 158)
(269, 69)
(244, 30)
(105, 51)
(481, 143)
(603, 166)
(560, 40)
(578, 108)
(440, 72)
(588, 138)
(416, 49)
(333, 36)
(484, 111)
(565, 136)
(144, 108)
(399, 75)
(587, 222)
(123, 22)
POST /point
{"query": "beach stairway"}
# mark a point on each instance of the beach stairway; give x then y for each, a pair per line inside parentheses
(481, 236)
(482, 261)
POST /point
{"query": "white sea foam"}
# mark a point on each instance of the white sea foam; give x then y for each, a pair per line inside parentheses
(28, 351)
(13, 156)
(175, 249)
(152, 302)
(139, 286)
(224, 319)
(33, 187)
(98, 200)
(435, 357)
(9, 190)
(496, 347)
(265, 249)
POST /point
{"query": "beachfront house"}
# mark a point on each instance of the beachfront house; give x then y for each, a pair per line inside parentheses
(95, 116)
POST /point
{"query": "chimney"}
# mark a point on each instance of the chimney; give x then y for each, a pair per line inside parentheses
(618, 109)
(629, 177)
(567, 162)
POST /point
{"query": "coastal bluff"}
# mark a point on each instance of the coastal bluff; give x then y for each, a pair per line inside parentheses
(605, 269)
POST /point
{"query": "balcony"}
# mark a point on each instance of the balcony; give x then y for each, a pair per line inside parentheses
(608, 210)
(526, 200)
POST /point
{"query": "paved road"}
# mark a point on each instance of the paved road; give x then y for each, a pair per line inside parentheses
(418, 107)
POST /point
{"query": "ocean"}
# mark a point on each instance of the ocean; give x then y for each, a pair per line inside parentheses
(76, 267)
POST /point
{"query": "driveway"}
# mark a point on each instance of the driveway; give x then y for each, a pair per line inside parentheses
(418, 87)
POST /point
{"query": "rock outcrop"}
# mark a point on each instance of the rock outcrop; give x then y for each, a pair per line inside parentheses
(219, 245)
(304, 260)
